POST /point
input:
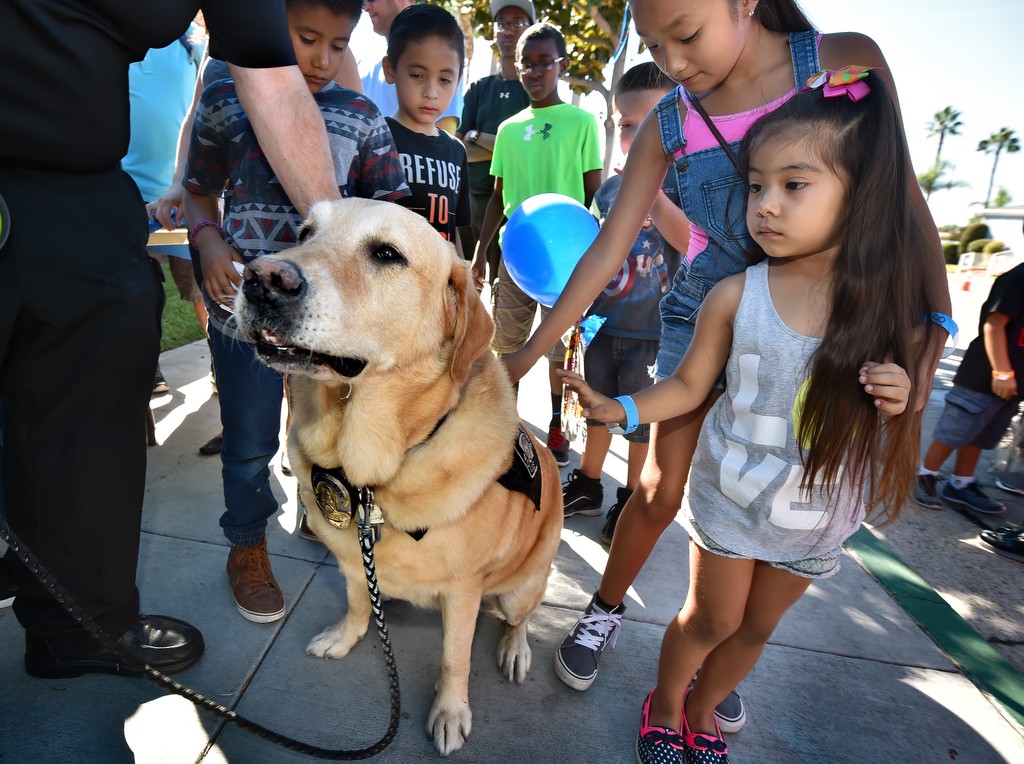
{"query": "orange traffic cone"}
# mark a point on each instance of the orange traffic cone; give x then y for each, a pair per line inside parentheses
(966, 285)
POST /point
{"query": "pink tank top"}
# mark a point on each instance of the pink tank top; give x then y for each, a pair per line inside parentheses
(732, 127)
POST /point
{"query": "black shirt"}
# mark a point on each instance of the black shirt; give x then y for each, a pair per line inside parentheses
(64, 69)
(1006, 297)
(490, 101)
(435, 169)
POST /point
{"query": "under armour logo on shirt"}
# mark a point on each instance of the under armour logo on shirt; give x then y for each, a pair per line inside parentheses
(545, 133)
(503, 95)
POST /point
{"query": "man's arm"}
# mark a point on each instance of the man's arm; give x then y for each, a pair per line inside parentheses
(290, 130)
(348, 72)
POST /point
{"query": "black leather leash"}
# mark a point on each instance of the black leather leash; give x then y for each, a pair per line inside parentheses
(368, 534)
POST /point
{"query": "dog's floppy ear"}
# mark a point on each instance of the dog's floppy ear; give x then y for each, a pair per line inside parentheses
(472, 327)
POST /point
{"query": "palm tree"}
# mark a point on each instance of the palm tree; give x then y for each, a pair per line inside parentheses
(934, 179)
(945, 122)
(997, 143)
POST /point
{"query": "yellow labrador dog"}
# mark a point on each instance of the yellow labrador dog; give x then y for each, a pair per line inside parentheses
(394, 387)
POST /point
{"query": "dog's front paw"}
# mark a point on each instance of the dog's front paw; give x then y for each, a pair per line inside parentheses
(449, 725)
(335, 642)
(514, 654)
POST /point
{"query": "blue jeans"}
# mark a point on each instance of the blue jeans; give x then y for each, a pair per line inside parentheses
(713, 196)
(620, 366)
(250, 413)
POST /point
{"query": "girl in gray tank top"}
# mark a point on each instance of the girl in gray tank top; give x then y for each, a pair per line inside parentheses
(817, 340)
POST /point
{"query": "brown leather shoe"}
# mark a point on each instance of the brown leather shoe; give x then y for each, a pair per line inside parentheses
(257, 595)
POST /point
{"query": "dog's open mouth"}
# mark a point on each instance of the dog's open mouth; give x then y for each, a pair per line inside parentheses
(274, 350)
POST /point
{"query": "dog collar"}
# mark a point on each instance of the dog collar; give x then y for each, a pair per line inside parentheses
(339, 501)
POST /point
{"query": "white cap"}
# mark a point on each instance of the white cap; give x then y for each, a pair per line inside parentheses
(525, 5)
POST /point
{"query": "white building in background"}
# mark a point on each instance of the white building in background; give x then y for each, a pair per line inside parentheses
(1006, 224)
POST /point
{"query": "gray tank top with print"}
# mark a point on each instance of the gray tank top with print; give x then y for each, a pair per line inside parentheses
(744, 486)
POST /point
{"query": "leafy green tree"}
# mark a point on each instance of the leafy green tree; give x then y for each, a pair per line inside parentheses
(945, 122)
(592, 35)
(1002, 199)
(933, 179)
(996, 144)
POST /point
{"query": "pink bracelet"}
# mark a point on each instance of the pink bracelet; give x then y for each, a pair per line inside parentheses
(200, 226)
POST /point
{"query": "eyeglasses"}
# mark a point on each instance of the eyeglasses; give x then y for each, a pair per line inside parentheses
(511, 26)
(538, 68)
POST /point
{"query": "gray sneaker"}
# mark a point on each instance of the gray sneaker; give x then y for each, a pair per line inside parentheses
(924, 493)
(731, 714)
(577, 657)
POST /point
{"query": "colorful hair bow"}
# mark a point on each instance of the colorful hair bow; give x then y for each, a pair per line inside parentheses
(846, 81)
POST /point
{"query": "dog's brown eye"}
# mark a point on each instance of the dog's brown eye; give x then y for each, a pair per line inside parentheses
(389, 255)
(305, 231)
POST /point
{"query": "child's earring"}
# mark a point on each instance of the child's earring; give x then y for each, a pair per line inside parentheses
(751, 13)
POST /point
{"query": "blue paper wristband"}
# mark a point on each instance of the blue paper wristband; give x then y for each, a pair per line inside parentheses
(632, 415)
(947, 323)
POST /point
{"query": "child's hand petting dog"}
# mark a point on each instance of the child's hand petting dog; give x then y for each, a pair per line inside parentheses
(595, 406)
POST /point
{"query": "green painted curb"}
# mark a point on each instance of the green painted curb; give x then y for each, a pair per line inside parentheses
(968, 650)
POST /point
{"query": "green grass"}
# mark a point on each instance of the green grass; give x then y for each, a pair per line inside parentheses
(180, 325)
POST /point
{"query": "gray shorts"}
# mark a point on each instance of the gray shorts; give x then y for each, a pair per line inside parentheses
(823, 566)
(974, 419)
(620, 366)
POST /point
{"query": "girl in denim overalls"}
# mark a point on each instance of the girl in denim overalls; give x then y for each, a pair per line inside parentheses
(741, 58)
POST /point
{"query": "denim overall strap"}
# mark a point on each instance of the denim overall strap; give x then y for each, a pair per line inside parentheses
(804, 53)
(672, 140)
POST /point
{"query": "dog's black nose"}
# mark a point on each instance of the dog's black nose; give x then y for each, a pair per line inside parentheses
(269, 280)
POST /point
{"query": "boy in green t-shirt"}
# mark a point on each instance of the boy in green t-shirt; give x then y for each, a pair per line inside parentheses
(549, 147)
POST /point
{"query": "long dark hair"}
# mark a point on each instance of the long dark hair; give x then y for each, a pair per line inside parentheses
(878, 298)
(781, 16)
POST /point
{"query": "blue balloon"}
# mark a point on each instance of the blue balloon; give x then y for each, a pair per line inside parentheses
(544, 239)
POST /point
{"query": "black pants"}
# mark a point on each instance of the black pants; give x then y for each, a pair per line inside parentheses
(80, 305)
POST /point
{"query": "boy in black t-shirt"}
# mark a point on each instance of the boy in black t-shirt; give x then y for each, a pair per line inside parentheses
(984, 399)
(424, 62)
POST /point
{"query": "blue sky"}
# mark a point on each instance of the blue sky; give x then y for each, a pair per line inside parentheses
(968, 55)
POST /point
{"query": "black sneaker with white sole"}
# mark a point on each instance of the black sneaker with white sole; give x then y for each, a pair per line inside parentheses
(1009, 542)
(579, 653)
(612, 518)
(581, 495)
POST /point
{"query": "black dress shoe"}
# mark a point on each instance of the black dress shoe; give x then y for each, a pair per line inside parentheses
(306, 530)
(165, 643)
(213, 446)
(1007, 541)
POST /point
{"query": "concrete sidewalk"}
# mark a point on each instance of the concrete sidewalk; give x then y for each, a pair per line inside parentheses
(849, 676)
